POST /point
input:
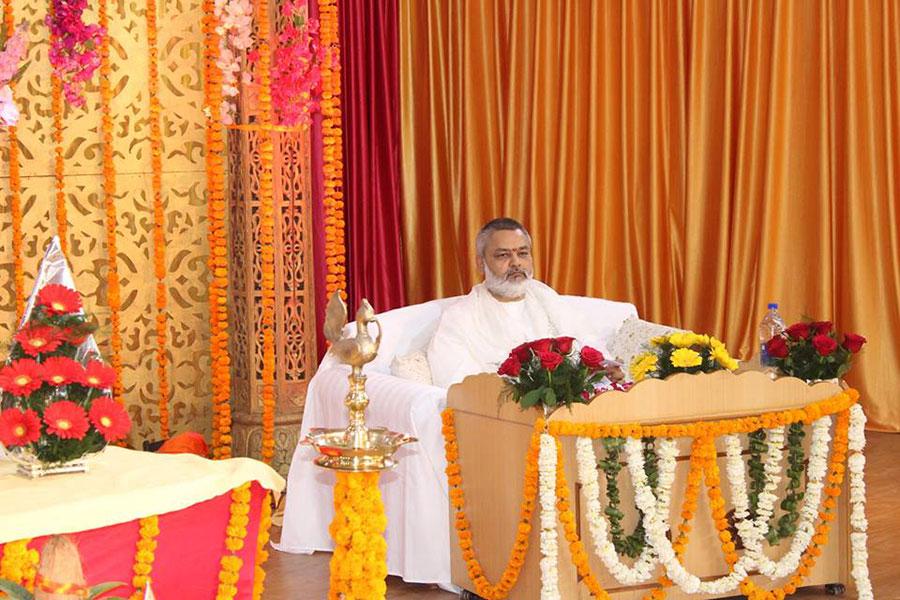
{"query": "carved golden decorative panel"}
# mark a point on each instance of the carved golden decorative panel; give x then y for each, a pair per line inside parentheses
(181, 97)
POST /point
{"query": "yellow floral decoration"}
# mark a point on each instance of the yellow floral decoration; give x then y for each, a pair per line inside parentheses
(262, 542)
(359, 563)
(144, 555)
(235, 532)
(19, 563)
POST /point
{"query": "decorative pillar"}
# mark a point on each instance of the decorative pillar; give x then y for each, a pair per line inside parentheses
(295, 330)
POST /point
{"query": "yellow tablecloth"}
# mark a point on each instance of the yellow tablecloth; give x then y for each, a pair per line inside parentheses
(121, 485)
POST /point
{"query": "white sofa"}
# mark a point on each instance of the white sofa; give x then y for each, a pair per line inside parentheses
(415, 491)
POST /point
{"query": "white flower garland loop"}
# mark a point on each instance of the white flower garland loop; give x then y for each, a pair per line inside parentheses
(549, 535)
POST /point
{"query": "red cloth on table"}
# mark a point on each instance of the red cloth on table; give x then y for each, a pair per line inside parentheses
(189, 547)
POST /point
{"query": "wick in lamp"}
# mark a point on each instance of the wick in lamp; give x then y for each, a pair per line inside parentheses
(358, 448)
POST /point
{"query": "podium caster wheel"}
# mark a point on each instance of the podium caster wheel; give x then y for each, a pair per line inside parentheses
(467, 595)
(835, 589)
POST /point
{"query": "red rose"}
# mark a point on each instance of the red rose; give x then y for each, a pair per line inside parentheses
(510, 367)
(824, 344)
(564, 344)
(798, 331)
(522, 352)
(542, 345)
(853, 342)
(821, 327)
(550, 360)
(777, 347)
(591, 357)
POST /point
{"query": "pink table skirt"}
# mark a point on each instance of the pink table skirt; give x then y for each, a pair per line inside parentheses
(189, 546)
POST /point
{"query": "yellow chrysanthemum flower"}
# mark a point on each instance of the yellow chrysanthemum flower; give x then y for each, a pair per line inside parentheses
(659, 340)
(702, 339)
(643, 364)
(685, 357)
(723, 358)
(682, 339)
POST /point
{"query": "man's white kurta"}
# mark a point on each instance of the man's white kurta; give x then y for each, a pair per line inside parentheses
(476, 333)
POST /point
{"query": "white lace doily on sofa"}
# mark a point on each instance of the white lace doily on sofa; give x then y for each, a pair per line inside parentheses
(633, 336)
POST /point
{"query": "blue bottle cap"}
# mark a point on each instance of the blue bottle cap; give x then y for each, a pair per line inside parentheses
(773, 305)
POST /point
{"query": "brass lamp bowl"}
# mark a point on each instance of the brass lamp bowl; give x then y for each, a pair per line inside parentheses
(339, 453)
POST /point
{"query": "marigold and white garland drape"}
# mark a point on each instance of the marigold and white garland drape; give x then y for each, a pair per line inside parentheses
(824, 477)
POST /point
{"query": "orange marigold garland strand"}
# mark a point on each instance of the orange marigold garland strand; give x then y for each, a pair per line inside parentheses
(218, 260)
(235, 532)
(15, 187)
(159, 220)
(144, 555)
(262, 542)
(463, 532)
(836, 471)
(358, 567)
(332, 149)
(266, 232)
(109, 201)
(59, 164)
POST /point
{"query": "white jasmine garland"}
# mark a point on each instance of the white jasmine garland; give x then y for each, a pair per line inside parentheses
(859, 561)
(656, 525)
(645, 565)
(753, 531)
(549, 537)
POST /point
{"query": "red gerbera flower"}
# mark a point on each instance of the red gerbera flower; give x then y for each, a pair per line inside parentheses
(99, 375)
(38, 340)
(19, 428)
(59, 300)
(61, 370)
(22, 377)
(110, 419)
(66, 420)
(73, 337)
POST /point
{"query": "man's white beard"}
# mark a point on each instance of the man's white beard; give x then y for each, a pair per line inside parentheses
(506, 288)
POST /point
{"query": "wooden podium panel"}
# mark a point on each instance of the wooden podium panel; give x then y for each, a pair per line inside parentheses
(494, 436)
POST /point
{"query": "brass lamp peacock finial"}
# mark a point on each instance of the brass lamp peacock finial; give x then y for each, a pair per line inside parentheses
(356, 448)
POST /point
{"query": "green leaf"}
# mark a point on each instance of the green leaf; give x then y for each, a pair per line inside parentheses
(531, 398)
(14, 591)
(550, 397)
(102, 588)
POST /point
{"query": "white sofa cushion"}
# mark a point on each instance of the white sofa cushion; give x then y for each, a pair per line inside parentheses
(413, 366)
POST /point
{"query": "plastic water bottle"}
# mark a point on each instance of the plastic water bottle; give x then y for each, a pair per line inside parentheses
(771, 325)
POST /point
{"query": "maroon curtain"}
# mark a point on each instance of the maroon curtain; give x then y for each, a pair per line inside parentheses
(370, 101)
(318, 218)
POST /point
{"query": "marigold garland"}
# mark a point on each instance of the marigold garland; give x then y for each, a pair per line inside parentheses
(109, 201)
(144, 555)
(19, 563)
(698, 429)
(220, 363)
(835, 478)
(159, 219)
(332, 149)
(59, 165)
(463, 532)
(235, 532)
(15, 188)
(266, 232)
(262, 542)
(359, 563)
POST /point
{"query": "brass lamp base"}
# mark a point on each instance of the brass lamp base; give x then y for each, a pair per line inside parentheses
(339, 454)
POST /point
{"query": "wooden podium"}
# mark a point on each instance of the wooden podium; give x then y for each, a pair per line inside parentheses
(494, 436)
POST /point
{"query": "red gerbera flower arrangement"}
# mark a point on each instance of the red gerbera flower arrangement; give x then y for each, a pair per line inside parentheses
(39, 339)
(59, 300)
(811, 351)
(54, 408)
(110, 418)
(18, 427)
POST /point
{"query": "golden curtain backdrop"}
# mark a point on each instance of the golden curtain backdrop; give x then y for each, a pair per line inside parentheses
(184, 187)
(699, 159)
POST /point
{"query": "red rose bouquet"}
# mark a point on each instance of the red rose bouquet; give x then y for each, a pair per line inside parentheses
(549, 372)
(811, 351)
(55, 396)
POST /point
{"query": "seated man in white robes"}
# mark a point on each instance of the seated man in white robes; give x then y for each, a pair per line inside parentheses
(476, 334)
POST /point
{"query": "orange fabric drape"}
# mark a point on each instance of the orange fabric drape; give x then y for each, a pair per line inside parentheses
(699, 159)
